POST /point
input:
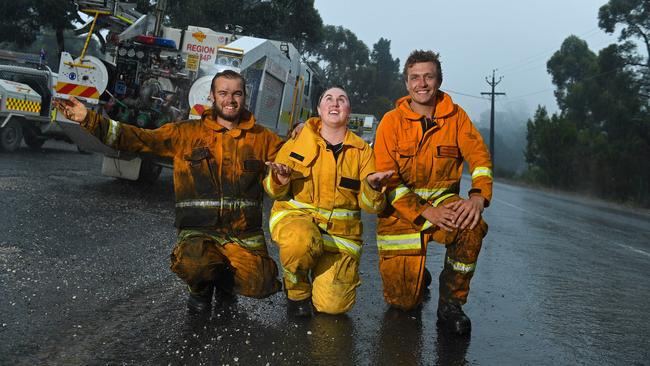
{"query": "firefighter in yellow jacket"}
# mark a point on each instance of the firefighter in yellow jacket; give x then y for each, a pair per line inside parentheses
(425, 139)
(218, 172)
(321, 180)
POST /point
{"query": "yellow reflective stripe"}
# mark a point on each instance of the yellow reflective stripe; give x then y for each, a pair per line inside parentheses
(461, 267)
(398, 193)
(365, 200)
(377, 205)
(347, 245)
(276, 217)
(424, 193)
(290, 276)
(268, 185)
(342, 213)
(338, 213)
(442, 198)
(253, 242)
(427, 224)
(429, 194)
(482, 171)
(224, 202)
(399, 242)
(113, 131)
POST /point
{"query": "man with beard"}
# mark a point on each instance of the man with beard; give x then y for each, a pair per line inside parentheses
(218, 171)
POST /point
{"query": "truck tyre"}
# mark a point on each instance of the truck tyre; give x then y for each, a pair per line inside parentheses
(149, 172)
(32, 140)
(10, 136)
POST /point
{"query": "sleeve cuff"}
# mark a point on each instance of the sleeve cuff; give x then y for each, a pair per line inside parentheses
(273, 188)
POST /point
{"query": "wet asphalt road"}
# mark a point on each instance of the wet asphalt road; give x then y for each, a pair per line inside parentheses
(84, 280)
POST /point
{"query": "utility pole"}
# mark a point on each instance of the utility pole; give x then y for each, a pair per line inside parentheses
(492, 94)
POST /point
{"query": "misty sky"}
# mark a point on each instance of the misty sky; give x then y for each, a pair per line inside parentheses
(474, 37)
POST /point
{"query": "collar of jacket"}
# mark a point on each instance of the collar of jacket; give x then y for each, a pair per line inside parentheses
(309, 141)
(246, 122)
(444, 107)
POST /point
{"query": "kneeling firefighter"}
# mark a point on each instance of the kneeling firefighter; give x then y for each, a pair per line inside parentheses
(218, 172)
(320, 181)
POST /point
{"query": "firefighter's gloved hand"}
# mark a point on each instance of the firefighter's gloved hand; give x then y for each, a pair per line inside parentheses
(467, 212)
(379, 179)
(71, 108)
(281, 172)
(441, 216)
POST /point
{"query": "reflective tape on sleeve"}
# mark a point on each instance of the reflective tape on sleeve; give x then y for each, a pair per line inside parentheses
(113, 131)
(397, 193)
(442, 198)
(482, 171)
(429, 194)
(427, 224)
(267, 184)
(365, 200)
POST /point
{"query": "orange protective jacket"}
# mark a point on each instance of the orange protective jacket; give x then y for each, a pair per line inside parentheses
(428, 168)
(331, 191)
(218, 172)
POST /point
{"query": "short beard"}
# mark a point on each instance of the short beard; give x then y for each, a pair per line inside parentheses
(217, 113)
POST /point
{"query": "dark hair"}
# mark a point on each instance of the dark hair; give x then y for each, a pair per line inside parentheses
(229, 74)
(337, 86)
(418, 56)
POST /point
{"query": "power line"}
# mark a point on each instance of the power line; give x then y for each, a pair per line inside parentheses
(522, 96)
(464, 94)
(530, 59)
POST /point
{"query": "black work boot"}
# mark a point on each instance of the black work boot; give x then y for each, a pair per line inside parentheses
(452, 318)
(299, 308)
(200, 302)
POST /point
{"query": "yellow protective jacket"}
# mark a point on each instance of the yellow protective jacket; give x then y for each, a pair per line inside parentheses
(429, 166)
(218, 172)
(330, 191)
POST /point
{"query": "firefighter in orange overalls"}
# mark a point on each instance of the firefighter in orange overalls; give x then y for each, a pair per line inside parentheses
(425, 139)
(218, 172)
(321, 180)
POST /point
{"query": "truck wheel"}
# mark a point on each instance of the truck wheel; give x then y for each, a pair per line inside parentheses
(11, 136)
(32, 140)
(149, 172)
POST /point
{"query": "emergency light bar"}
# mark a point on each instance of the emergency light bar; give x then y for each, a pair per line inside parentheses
(156, 41)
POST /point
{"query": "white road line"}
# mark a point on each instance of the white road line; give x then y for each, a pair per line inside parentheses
(635, 250)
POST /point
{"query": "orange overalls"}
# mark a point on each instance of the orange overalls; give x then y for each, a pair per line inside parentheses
(316, 218)
(428, 169)
(218, 185)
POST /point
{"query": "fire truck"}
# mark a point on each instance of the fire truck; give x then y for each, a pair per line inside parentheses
(157, 75)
